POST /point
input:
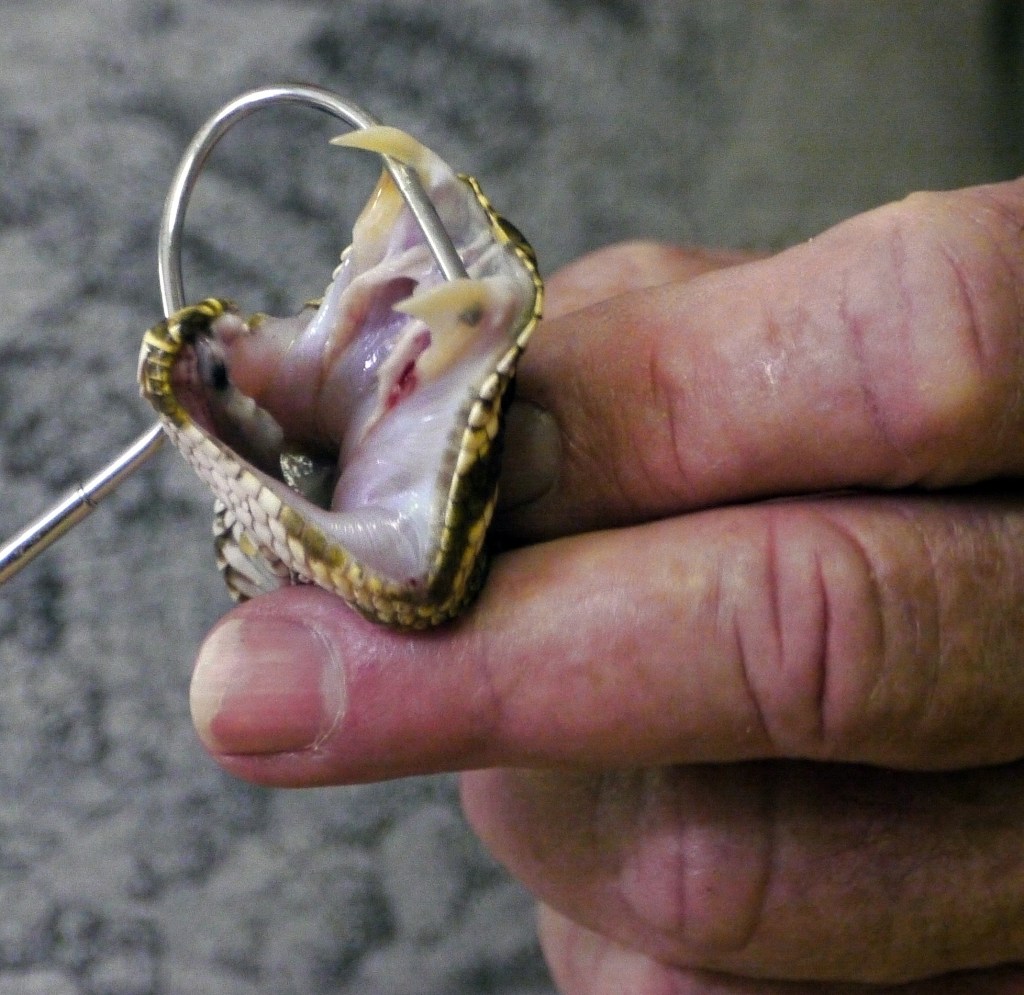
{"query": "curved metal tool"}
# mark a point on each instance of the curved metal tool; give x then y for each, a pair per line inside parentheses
(67, 513)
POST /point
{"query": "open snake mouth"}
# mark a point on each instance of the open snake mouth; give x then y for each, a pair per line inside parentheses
(375, 414)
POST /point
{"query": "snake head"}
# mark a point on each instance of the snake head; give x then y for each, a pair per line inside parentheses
(356, 445)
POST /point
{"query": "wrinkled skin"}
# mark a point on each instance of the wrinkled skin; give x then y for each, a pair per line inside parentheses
(778, 748)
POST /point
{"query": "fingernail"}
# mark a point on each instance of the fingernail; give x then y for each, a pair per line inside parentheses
(264, 686)
(533, 453)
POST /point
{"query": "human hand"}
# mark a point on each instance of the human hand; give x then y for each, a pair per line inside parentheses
(735, 744)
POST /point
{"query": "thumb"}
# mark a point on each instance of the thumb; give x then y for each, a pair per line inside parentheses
(295, 689)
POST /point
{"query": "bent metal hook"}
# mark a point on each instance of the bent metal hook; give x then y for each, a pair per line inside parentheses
(67, 513)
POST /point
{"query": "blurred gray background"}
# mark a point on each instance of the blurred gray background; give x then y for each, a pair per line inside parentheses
(129, 865)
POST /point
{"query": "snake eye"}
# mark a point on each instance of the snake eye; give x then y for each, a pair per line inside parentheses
(213, 371)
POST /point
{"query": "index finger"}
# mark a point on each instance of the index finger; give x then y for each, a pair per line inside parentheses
(885, 353)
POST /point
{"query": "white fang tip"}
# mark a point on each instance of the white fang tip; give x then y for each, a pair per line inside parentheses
(386, 140)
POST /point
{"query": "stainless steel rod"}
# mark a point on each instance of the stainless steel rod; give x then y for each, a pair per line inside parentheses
(63, 516)
(173, 222)
(66, 514)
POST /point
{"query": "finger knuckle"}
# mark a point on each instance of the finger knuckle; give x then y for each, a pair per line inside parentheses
(699, 891)
(810, 645)
(668, 453)
(935, 330)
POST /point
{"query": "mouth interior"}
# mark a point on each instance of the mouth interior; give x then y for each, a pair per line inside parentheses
(354, 413)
